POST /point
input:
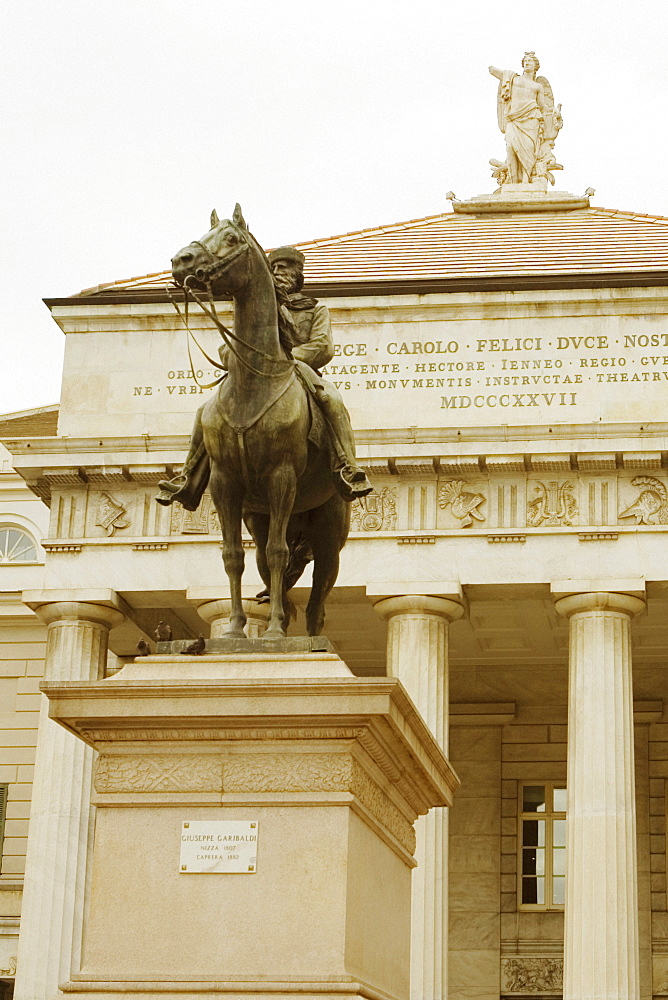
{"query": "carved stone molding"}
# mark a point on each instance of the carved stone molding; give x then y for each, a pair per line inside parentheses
(379, 805)
(317, 772)
(417, 540)
(532, 975)
(163, 773)
(506, 538)
(280, 772)
(598, 536)
(190, 735)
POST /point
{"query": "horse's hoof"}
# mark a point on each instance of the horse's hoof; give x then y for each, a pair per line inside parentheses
(234, 633)
(275, 633)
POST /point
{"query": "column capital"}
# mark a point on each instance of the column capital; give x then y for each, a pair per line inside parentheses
(418, 604)
(573, 604)
(103, 607)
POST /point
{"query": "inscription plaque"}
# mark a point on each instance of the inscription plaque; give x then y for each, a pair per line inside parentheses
(218, 846)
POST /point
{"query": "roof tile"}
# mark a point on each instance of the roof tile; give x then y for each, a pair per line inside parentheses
(450, 246)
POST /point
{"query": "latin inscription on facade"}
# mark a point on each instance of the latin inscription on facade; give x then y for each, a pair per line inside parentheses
(547, 370)
(218, 847)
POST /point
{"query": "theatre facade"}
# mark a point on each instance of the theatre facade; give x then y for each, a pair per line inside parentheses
(506, 371)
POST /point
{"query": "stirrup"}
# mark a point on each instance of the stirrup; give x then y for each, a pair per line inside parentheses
(352, 483)
(168, 490)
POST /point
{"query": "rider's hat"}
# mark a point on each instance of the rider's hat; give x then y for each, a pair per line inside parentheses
(290, 254)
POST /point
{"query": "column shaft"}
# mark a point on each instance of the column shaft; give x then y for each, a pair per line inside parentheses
(60, 813)
(417, 654)
(601, 920)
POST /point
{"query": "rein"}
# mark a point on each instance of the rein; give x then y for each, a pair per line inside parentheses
(218, 267)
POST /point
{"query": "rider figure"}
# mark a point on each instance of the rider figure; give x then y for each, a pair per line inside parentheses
(312, 348)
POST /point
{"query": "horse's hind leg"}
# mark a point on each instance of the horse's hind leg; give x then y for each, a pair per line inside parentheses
(228, 505)
(328, 531)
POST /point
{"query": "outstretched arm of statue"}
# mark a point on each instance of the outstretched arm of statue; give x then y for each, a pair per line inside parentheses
(319, 348)
(498, 73)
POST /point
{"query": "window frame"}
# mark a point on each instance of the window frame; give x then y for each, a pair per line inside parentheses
(21, 528)
(549, 816)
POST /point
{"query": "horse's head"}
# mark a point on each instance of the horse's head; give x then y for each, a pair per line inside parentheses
(219, 259)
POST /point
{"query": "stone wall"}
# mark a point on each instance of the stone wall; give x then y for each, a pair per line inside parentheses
(475, 856)
(658, 772)
(22, 649)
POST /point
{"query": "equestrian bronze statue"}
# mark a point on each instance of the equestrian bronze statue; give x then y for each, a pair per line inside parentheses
(274, 443)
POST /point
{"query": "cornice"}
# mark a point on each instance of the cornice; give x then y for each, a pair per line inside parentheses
(500, 283)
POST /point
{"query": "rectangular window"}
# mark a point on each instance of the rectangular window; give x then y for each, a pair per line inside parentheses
(542, 846)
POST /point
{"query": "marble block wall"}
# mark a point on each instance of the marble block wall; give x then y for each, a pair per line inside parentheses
(658, 772)
(475, 855)
(641, 751)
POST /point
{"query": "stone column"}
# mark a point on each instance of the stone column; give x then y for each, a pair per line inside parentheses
(217, 615)
(76, 649)
(417, 654)
(601, 921)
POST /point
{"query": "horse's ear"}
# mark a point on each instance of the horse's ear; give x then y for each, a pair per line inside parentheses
(214, 218)
(238, 218)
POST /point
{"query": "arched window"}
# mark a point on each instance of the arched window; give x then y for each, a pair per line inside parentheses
(16, 545)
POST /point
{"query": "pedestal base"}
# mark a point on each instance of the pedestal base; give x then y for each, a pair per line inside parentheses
(522, 198)
(332, 770)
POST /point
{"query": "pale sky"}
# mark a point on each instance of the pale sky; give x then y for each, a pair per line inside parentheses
(126, 121)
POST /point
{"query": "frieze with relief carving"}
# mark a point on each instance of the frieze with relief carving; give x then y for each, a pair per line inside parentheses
(554, 505)
(317, 772)
(203, 521)
(111, 514)
(267, 772)
(491, 501)
(650, 505)
(532, 975)
(375, 512)
(464, 506)
(159, 773)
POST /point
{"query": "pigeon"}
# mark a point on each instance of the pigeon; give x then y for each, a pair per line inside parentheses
(163, 633)
(195, 648)
(143, 648)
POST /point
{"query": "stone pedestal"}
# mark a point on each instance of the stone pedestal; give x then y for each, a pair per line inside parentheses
(533, 197)
(333, 769)
(601, 920)
(53, 894)
(417, 654)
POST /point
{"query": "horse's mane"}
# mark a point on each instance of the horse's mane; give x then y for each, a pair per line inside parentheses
(287, 332)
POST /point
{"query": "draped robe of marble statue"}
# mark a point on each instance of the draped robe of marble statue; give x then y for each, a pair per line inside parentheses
(529, 121)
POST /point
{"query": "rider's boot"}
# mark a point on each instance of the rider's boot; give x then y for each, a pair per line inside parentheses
(350, 480)
(189, 486)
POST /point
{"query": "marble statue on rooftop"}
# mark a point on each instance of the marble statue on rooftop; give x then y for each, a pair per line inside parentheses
(530, 122)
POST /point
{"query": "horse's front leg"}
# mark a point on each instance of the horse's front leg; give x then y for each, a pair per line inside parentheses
(282, 489)
(228, 503)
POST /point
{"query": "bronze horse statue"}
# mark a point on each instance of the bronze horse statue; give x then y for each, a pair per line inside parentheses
(270, 464)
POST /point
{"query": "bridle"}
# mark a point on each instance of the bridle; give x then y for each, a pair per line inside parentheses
(218, 267)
